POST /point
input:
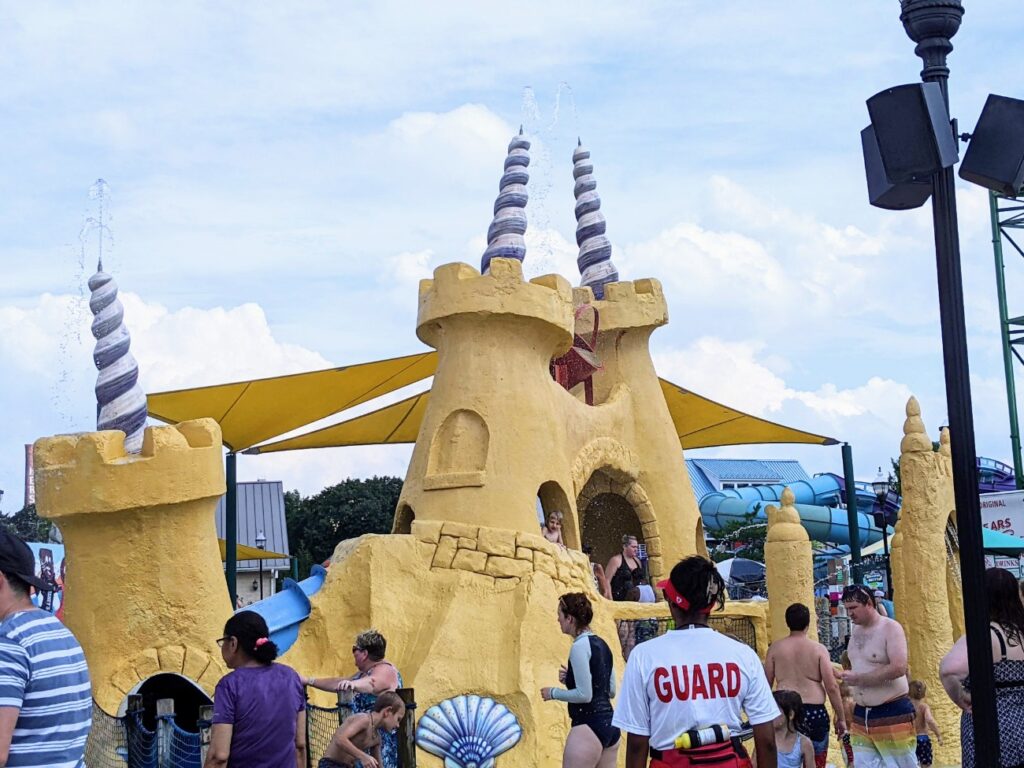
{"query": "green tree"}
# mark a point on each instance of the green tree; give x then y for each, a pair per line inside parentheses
(27, 524)
(741, 538)
(316, 524)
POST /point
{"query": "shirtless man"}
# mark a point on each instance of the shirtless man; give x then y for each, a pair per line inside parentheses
(882, 731)
(797, 663)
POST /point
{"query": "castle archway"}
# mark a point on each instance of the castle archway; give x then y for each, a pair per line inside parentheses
(188, 697)
(612, 505)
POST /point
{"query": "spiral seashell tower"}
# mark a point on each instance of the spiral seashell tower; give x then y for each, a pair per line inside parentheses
(122, 404)
(595, 259)
(505, 235)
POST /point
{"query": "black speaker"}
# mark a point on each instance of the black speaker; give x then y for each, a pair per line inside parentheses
(995, 154)
(882, 192)
(913, 132)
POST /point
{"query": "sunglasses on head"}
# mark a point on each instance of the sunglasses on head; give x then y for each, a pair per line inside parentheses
(357, 648)
(856, 590)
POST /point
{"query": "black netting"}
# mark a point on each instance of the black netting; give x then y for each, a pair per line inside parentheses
(632, 632)
(737, 627)
(183, 748)
(116, 742)
(321, 724)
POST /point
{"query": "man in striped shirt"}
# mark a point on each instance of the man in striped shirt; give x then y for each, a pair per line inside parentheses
(45, 695)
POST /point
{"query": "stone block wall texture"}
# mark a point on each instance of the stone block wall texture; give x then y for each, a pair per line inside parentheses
(145, 590)
(499, 431)
(463, 616)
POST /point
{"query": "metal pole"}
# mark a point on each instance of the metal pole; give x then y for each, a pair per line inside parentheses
(231, 527)
(852, 520)
(888, 567)
(931, 26)
(1004, 332)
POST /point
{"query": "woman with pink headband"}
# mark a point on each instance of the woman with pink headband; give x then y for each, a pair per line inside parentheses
(259, 708)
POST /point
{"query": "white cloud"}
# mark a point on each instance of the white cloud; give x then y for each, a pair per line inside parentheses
(46, 353)
(869, 415)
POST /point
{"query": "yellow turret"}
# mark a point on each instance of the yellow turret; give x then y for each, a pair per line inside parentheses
(790, 566)
(145, 590)
(922, 595)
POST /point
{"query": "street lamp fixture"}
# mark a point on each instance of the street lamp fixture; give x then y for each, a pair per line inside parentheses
(261, 543)
(880, 485)
(993, 160)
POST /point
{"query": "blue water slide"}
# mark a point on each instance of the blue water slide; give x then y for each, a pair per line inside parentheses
(287, 609)
(817, 503)
(995, 476)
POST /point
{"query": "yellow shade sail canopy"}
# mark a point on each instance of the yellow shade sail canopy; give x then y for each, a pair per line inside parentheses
(392, 424)
(699, 422)
(703, 423)
(245, 552)
(250, 412)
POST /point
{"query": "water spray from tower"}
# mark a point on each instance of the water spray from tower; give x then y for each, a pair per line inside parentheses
(121, 404)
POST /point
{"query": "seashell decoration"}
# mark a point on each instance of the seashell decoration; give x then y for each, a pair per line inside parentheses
(505, 235)
(468, 731)
(595, 258)
(122, 404)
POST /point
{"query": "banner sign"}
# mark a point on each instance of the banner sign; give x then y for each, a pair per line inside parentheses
(50, 567)
(1003, 512)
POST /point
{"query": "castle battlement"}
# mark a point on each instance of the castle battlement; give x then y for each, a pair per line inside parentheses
(632, 304)
(459, 289)
(92, 473)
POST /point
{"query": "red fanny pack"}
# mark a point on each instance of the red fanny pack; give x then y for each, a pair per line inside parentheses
(725, 755)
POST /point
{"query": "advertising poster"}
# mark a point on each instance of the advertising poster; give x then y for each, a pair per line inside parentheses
(1003, 512)
(50, 568)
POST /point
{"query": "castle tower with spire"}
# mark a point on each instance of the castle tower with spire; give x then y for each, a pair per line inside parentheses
(926, 605)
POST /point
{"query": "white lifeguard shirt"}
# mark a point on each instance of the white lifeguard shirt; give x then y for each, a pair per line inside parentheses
(691, 678)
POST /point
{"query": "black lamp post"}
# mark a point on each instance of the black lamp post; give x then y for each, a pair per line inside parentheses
(261, 543)
(880, 485)
(931, 24)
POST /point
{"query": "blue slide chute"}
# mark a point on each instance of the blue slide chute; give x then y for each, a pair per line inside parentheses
(287, 609)
(817, 503)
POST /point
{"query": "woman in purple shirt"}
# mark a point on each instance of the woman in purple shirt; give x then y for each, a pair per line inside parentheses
(259, 708)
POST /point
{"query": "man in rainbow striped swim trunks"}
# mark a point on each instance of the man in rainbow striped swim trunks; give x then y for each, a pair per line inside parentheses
(882, 731)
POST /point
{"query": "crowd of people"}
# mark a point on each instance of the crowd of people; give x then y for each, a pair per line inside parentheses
(686, 699)
(688, 694)
(259, 708)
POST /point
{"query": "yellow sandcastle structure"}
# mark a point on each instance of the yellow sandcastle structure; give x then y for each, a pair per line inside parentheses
(466, 588)
(929, 599)
(467, 601)
(789, 564)
(145, 590)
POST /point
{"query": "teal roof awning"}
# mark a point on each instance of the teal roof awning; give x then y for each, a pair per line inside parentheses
(1001, 543)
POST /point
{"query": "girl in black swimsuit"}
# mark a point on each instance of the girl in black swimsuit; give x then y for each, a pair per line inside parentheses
(590, 684)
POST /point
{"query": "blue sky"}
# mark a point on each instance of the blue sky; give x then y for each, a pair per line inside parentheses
(282, 176)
